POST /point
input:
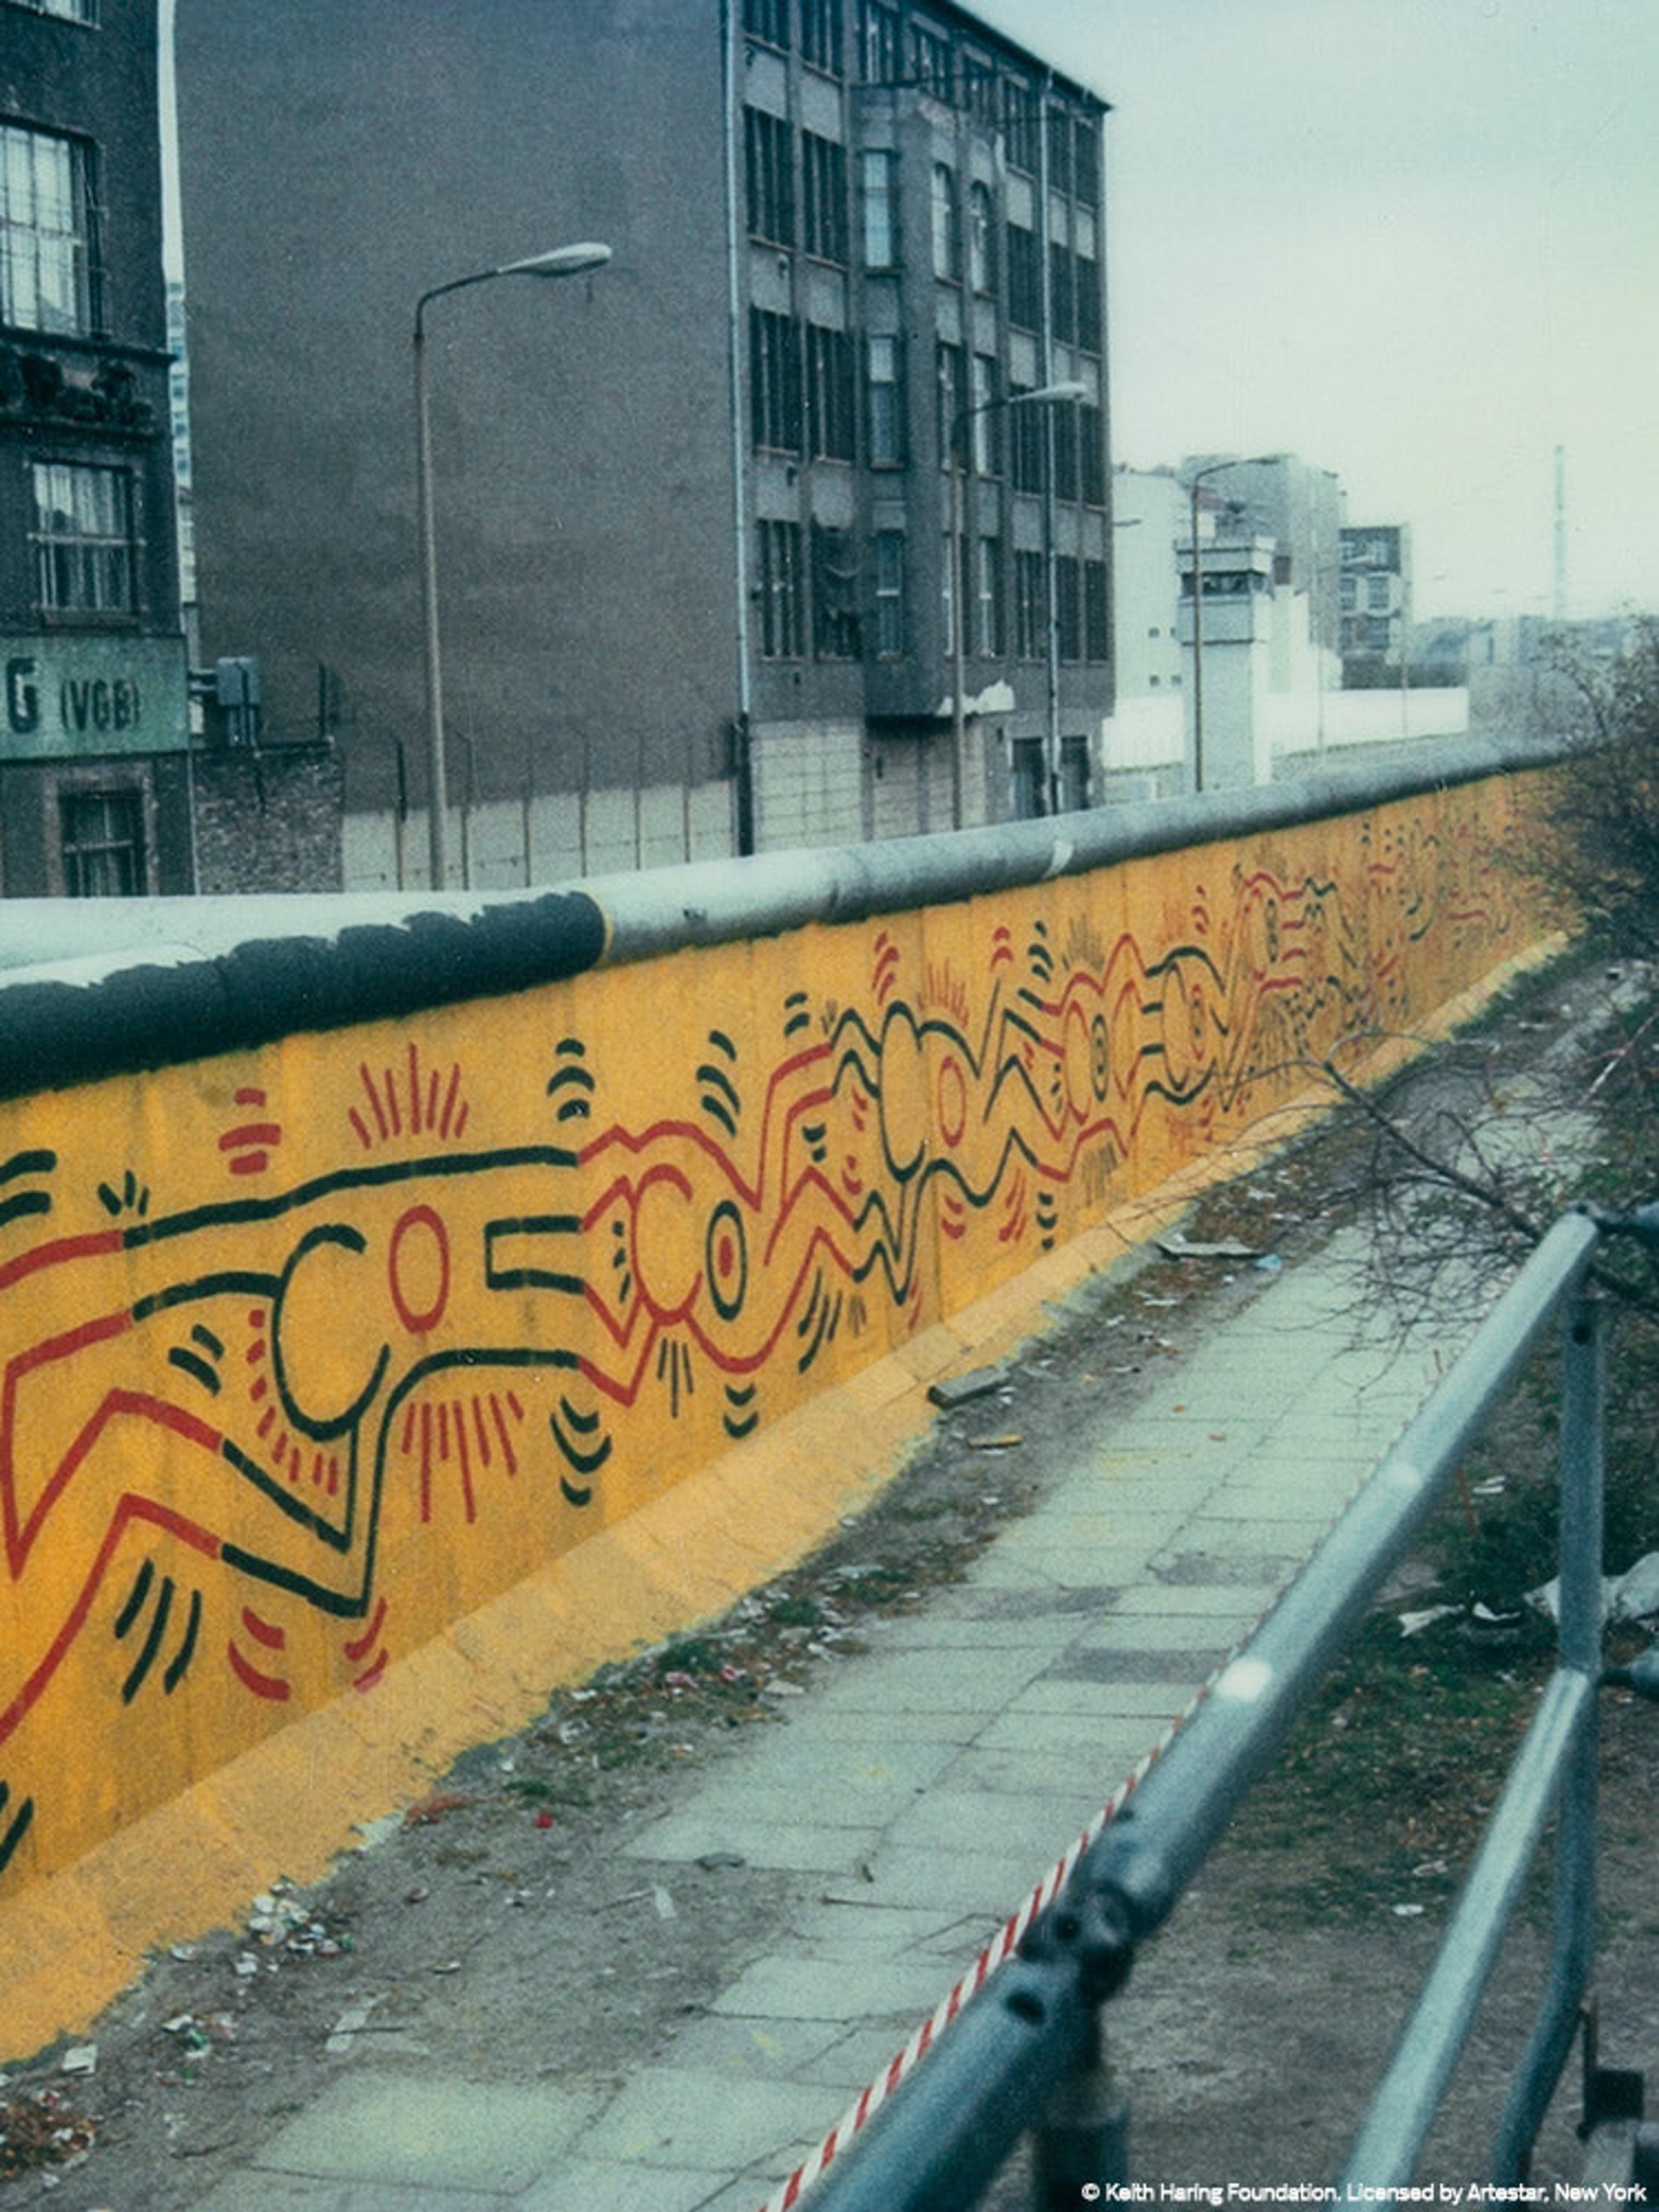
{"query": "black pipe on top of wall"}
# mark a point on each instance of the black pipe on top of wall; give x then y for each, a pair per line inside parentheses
(90, 988)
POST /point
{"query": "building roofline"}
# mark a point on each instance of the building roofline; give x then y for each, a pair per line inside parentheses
(975, 27)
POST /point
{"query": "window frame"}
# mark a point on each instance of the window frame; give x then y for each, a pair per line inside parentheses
(883, 405)
(879, 208)
(781, 587)
(75, 851)
(85, 546)
(889, 577)
(768, 150)
(823, 198)
(58, 260)
(945, 208)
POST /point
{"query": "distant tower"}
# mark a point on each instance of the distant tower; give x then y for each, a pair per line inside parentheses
(1558, 608)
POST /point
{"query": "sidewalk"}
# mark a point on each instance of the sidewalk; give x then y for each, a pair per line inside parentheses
(928, 1787)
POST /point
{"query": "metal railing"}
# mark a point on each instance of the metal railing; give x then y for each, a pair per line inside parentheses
(1028, 2052)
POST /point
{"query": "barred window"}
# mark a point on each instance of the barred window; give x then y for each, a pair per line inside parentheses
(1062, 293)
(1091, 455)
(1087, 276)
(83, 540)
(774, 381)
(1065, 450)
(767, 20)
(1019, 123)
(47, 274)
(930, 62)
(982, 240)
(987, 417)
(947, 224)
(1031, 607)
(820, 34)
(1097, 612)
(768, 156)
(1030, 444)
(882, 54)
(951, 392)
(102, 843)
(883, 401)
(1068, 606)
(889, 593)
(831, 410)
(1087, 147)
(992, 621)
(823, 194)
(782, 590)
(1024, 278)
(1061, 150)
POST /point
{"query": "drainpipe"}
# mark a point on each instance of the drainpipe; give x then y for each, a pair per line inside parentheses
(742, 758)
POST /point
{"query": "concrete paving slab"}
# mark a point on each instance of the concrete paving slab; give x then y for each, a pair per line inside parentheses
(431, 2134)
(586, 2186)
(253, 2191)
(930, 1682)
(798, 1986)
(805, 1848)
(994, 1884)
(675, 2116)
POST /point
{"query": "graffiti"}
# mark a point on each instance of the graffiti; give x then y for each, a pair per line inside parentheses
(307, 1354)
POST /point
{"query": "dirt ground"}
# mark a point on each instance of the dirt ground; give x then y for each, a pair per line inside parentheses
(497, 1929)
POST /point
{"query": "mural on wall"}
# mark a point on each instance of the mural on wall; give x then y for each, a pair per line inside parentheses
(308, 1353)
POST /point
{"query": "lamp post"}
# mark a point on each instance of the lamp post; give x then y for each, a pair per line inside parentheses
(562, 261)
(1042, 395)
(1214, 469)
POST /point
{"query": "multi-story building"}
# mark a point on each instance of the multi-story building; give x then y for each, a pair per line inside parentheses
(1376, 603)
(699, 515)
(95, 769)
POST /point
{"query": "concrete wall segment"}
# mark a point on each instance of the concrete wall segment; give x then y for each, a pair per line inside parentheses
(523, 1255)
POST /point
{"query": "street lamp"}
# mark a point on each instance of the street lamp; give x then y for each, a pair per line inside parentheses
(1044, 394)
(1214, 469)
(562, 261)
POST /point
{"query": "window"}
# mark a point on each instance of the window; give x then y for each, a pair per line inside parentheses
(820, 34)
(1073, 775)
(781, 591)
(1064, 417)
(1097, 612)
(1060, 150)
(1086, 287)
(46, 262)
(947, 590)
(1024, 279)
(952, 398)
(989, 582)
(947, 226)
(1019, 123)
(889, 593)
(979, 91)
(1029, 473)
(1031, 607)
(1349, 593)
(774, 387)
(1068, 606)
(1028, 778)
(883, 47)
(987, 417)
(767, 20)
(930, 62)
(834, 594)
(884, 402)
(1378, 593)
(982, 240)
(769, 157)
(103, 843)
(1091, 455)
(83, 539)
(880, 176)
(1062, 293)
(829, 401)
(1086, 145)
(823, 194)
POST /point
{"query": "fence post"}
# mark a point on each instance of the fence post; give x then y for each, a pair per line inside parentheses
(1579, 1631)
(1083, 2137)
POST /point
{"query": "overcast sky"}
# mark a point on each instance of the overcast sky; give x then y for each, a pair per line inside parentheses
(1416, 242)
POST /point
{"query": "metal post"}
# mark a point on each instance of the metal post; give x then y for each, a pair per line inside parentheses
(1579, 1635)
(1083, 2140)
(959, 621)
(437, 779)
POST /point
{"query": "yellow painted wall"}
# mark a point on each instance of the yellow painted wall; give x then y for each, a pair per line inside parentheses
(311, 1352)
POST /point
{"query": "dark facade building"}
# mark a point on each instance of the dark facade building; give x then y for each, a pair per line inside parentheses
(696, 512)
(1376, 603)
(95, 769)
